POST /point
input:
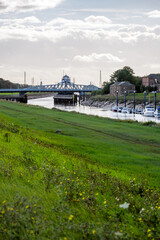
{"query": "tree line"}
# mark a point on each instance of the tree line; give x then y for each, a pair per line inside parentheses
(6, 84)
(121, 75)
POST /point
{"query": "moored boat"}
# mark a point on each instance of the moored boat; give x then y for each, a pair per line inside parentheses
(157, 112)
(119, 109)
(126, 110)
(114, 109)
(149, 111)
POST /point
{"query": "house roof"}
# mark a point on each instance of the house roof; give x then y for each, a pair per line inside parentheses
(154, 76)
(126, 83)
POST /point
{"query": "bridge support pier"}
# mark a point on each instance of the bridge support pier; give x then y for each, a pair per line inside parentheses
(22, 97)
(65, 99)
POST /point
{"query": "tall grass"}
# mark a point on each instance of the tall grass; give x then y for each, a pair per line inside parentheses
(97, 179)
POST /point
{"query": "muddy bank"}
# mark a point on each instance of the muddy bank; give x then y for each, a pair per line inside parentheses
(39, 95)
(108, 104)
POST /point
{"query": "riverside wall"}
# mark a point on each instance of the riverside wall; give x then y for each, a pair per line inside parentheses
(109, 104)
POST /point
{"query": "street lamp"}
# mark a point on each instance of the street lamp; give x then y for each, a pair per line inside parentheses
(125, 98)
(155, 102)
(117, 98)
(134, 102)
(144, 99)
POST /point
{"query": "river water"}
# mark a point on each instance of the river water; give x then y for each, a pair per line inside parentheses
(49, 103)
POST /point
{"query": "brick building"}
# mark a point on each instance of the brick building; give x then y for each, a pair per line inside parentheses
(152, 80)
(121, 87)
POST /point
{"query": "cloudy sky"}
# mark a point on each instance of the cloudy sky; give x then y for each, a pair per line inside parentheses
(47, 38)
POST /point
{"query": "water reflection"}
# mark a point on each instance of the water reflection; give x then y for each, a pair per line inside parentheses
(49, 103)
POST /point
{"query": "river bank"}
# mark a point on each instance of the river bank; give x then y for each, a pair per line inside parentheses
(38, 95)
(65, 175)
(107, 105)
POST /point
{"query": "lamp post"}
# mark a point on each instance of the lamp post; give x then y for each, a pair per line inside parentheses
(134, 102)
(144, 99)
(125, 98)
(117, 98)
(155, 102)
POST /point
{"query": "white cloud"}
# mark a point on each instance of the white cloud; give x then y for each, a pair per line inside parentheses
(27, 5)
(95, 57)
(92, 28)
(98, 20)
(154, 14)
(26, 20)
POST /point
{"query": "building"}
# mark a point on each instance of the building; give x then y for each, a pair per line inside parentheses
(121, 87)
(152, 80)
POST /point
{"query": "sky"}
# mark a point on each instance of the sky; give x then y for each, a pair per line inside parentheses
(49, 38)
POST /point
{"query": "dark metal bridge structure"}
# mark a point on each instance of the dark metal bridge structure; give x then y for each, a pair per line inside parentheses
(65, 87)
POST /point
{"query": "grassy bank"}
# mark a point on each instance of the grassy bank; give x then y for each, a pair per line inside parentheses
(95, 179)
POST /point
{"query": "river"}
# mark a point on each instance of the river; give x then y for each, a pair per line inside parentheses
(49, 103)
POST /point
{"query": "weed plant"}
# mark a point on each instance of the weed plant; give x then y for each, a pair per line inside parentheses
(50, 192)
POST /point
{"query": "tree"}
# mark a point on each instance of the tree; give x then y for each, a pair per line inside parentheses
(138, 84)
(106, 87)
(124, 74)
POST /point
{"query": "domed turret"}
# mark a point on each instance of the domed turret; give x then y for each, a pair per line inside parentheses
(66, 80)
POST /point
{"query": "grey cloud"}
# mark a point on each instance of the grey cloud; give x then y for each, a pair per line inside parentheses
(2, 6)
(27, 5)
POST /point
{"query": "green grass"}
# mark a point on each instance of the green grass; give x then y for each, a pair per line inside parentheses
(74, 185)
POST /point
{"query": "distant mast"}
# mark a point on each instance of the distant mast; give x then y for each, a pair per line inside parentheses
(100, 79)
(24, 78)
(32, 81)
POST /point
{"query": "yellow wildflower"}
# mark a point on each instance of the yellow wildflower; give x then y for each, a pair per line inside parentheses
(105, 202)
(4, 202)
(35, 205)
(31, 232)
(149, 235)
(27, 206)
(149, 230)
(94, 231)
(70, 217)
(2, 211)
